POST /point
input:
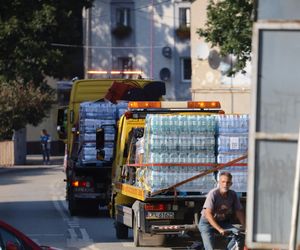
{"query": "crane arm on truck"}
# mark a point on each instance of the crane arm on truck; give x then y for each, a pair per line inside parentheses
(141, 194)
(216, 168)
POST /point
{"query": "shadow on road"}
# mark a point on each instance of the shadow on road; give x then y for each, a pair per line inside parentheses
(11, 175)
(38, 160)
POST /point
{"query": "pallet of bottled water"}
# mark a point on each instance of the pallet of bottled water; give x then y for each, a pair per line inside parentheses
(232, 123)
(223, 158)
(97, 110)
(94, 115)
(156, 177)
(182, 139)
(88, 152)
(122, 107)
(182, 124)
(232, 143)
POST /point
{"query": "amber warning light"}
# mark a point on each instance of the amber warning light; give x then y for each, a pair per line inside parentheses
(140, 105)
(204, 105)
(115, 72)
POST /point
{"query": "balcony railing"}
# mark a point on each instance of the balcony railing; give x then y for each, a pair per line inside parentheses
(121, 31)
(183, 32)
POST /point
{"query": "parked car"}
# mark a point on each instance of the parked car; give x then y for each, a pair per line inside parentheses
(12, 239)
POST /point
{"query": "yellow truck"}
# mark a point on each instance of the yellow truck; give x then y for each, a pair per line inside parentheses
(165, 162)
(94, 103)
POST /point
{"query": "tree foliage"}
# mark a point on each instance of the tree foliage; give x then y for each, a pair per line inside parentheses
(22, 104)
(31, 35)
(229, 26)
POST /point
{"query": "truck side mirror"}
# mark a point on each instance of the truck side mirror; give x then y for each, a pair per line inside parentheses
(61, 123)
(100, 144)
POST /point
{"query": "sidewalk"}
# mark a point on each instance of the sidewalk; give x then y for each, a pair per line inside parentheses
(33, 161)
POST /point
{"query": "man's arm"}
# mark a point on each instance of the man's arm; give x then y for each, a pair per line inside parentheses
(209, 216)
(241, 217)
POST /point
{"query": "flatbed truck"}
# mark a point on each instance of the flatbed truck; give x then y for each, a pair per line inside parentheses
(88, 183)
(153, 213)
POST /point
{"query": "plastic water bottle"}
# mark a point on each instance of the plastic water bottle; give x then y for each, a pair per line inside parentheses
(162, 124)
(152, 181)
(220, 124)
(181, 124)
(245, 123)
(231, 124)
(175, 127)
(212, 124)
(226, 123)
(171, 143)
(192, 124)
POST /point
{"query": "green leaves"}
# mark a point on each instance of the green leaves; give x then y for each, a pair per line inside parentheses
(28, 30)
(22, 104)
(229, 26)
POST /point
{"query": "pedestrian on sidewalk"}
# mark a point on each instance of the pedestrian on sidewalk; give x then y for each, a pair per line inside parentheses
(45, 145)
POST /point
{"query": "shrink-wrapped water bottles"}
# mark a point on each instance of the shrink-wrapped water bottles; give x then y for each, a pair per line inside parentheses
(93, 115)
(232, 143)
(181, 139)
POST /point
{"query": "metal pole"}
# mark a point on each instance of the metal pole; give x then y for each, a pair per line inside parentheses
(295, 205)
(151, 39)
(87, 43)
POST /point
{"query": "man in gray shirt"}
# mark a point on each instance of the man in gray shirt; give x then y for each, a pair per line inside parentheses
(220, 206)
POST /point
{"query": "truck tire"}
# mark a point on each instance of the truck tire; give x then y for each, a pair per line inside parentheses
(72, 206)
(121, 230)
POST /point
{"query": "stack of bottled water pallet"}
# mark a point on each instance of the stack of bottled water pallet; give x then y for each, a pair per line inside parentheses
(93, 115)
(178, 139)
(232, 143)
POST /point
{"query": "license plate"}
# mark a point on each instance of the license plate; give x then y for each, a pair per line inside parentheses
(160, 215)
(84, 190)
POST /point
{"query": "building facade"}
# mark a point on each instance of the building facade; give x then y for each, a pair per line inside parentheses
(150, 36)
(209, 80)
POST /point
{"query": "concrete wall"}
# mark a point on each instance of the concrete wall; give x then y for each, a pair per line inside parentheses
(209, 83)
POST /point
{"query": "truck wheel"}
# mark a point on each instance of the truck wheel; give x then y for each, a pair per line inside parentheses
(72, 205)
(121, 230)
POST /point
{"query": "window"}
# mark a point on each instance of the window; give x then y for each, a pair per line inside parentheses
(125, 63)
(123, 17)
(63, 92)
(6, 237)
(186, 69)
(184, 17)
